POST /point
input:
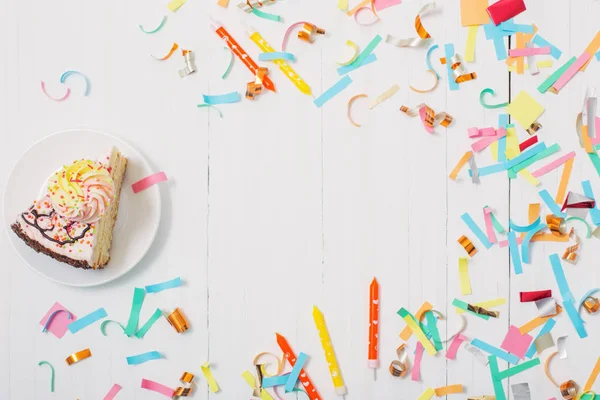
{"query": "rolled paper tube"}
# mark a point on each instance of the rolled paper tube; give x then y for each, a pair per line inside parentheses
(591, 305)
(178, 321)
(556, 224)
(504, 10)
(568, 390)
(467, 245)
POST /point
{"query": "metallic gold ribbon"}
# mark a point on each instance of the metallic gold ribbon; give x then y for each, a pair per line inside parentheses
(556, 224)
(532, 130)
(482, 311)
(459, 71)
(187, 380)
(309, 31)
(80, 355)
(428, 117)
(178, 321)
(280, 363)
(467, 245)
(570, 254)
(399, 368)
(424, 36)
(255, 88)
(568, 390)
(591, 305)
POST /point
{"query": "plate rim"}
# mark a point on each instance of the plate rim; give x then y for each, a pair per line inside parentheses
(9, 231)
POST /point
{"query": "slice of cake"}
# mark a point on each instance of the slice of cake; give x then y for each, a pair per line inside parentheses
(73, 222)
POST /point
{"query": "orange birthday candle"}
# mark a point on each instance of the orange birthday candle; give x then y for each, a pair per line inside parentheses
(374, 325)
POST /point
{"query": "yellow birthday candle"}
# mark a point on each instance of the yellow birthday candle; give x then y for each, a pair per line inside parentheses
(334, 369)
(283, 66)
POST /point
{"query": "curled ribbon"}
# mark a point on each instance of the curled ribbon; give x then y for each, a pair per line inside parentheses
(178, 321)
(248, 6)
(55, 98)
(66, 74)
(424, 36)
(570, 254)
(435, 83)
(190, 66)
(255, 88)
(354, 47)
(458, 69)
(280, 363)
(467, 245)
(49, 320)
(533, 128)
(399, 368)
(307, 33)
(164, 19)
(169, 54)
(51, 372)
(188, 384)
(428, 116)
(489, 106)
(80, 355)
(350, 108)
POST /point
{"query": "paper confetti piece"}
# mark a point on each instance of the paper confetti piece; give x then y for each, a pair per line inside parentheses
(226, 98)
(147, 182)
(293, 377)
(470, 46)
(507, 373)
(503, 10)
(270, 381)
(476, 230)
(594, 212)
(428, 60)
(474, 12)
(80, 355)
(512, 27)
(265, 15)
(89, 319)
(456, 342)
(51, 373)
(55, 98)
(112, 392)
(461, 163)
(529, 51)
(591, 49)
(465, 307)
(223, 3)
(333, 91)
(545, 329)
(495, 34)
(407, 331)
(355, 52)
(351, 67)
(450, 389)
(555, 75)
(423, 36)
(463, 273)
(159, 287)
(535, 295)
(169, 54)
(549, 201)
(362, 57)
(146, 327)
(488, 348)
(417, 331)
(384, 96)
(486, 304)
(157, 387)
(212, 383)
(537, 321)
(427, 394)
(489, 106)
(416, 372)
(570, 72)
(151, 31)
(276, 55)
(136, 307)
(567, 296)
(525, 109)
(66, 74)
(449, 53)
(484, 142)
(561, 345)
(175, 5)
(342, 5)
(497, 383)
(350, 102)
(553, 165)
(144, 357)
(593, 375)
(57, 319)
(209, 106)
(106, 322)
(541, 42)
(516, 343)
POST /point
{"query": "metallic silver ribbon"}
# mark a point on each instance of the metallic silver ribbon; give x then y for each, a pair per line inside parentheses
(190, 66)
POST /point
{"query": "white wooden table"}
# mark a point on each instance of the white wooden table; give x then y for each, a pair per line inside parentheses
(280, 205)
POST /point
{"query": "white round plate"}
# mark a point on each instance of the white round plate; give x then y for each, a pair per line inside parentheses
(137, 221)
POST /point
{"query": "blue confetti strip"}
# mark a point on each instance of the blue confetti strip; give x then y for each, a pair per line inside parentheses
(144, 357)
(159, 287)
(89, 319)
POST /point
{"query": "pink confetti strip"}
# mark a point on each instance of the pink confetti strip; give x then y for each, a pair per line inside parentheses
(489, 227)
(383, 4)
(456, 342)
(55, 98)
(486, 141)
(113, 392)
(571, 71)
(532, 51)
(553, 165)
(148, 181)
(596, 140)
(157, 387)
(504, 243)
(416, 372)
(476, 132)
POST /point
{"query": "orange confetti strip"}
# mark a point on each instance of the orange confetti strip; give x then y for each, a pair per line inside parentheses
(592, 49)
(407, 332)
(450, 389)
(360, 5)
(175, 47)
(593, 376)
(538, 321)
(223, 3)
(350, 108)
(431, 88)
(460, 164)
(534, 212)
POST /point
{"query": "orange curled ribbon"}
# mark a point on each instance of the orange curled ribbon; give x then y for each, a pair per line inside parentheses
(458, 69)
(178, 321)
(435, 83)
(80, 355)
(424, 36)
(255, 88)
(467, 245)
(350, 108)
(532, 130)
(187, 380)
(309, 31)
(399, 368)
(169, 54)
(591, 305)
(428, 116)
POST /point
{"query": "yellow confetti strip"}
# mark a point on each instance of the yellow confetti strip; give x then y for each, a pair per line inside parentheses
(416, 330)
(406, 332)
(354, 46)
(470, 47)
(486, 304)
(212, 383)
(463, 273)
(384, 96)
(427, 394)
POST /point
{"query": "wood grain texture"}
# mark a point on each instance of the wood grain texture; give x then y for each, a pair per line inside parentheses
(280, 205)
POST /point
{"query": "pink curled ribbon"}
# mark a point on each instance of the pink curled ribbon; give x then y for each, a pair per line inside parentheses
(456, 342)
(289, 30)
(112, 392)
(148, 181)
(55, 98)
(157, 387)
(49, 320)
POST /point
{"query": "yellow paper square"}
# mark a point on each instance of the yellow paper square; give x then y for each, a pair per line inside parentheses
(525, 109)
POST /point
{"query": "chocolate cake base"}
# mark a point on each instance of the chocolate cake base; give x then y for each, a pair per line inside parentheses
(41, 249)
